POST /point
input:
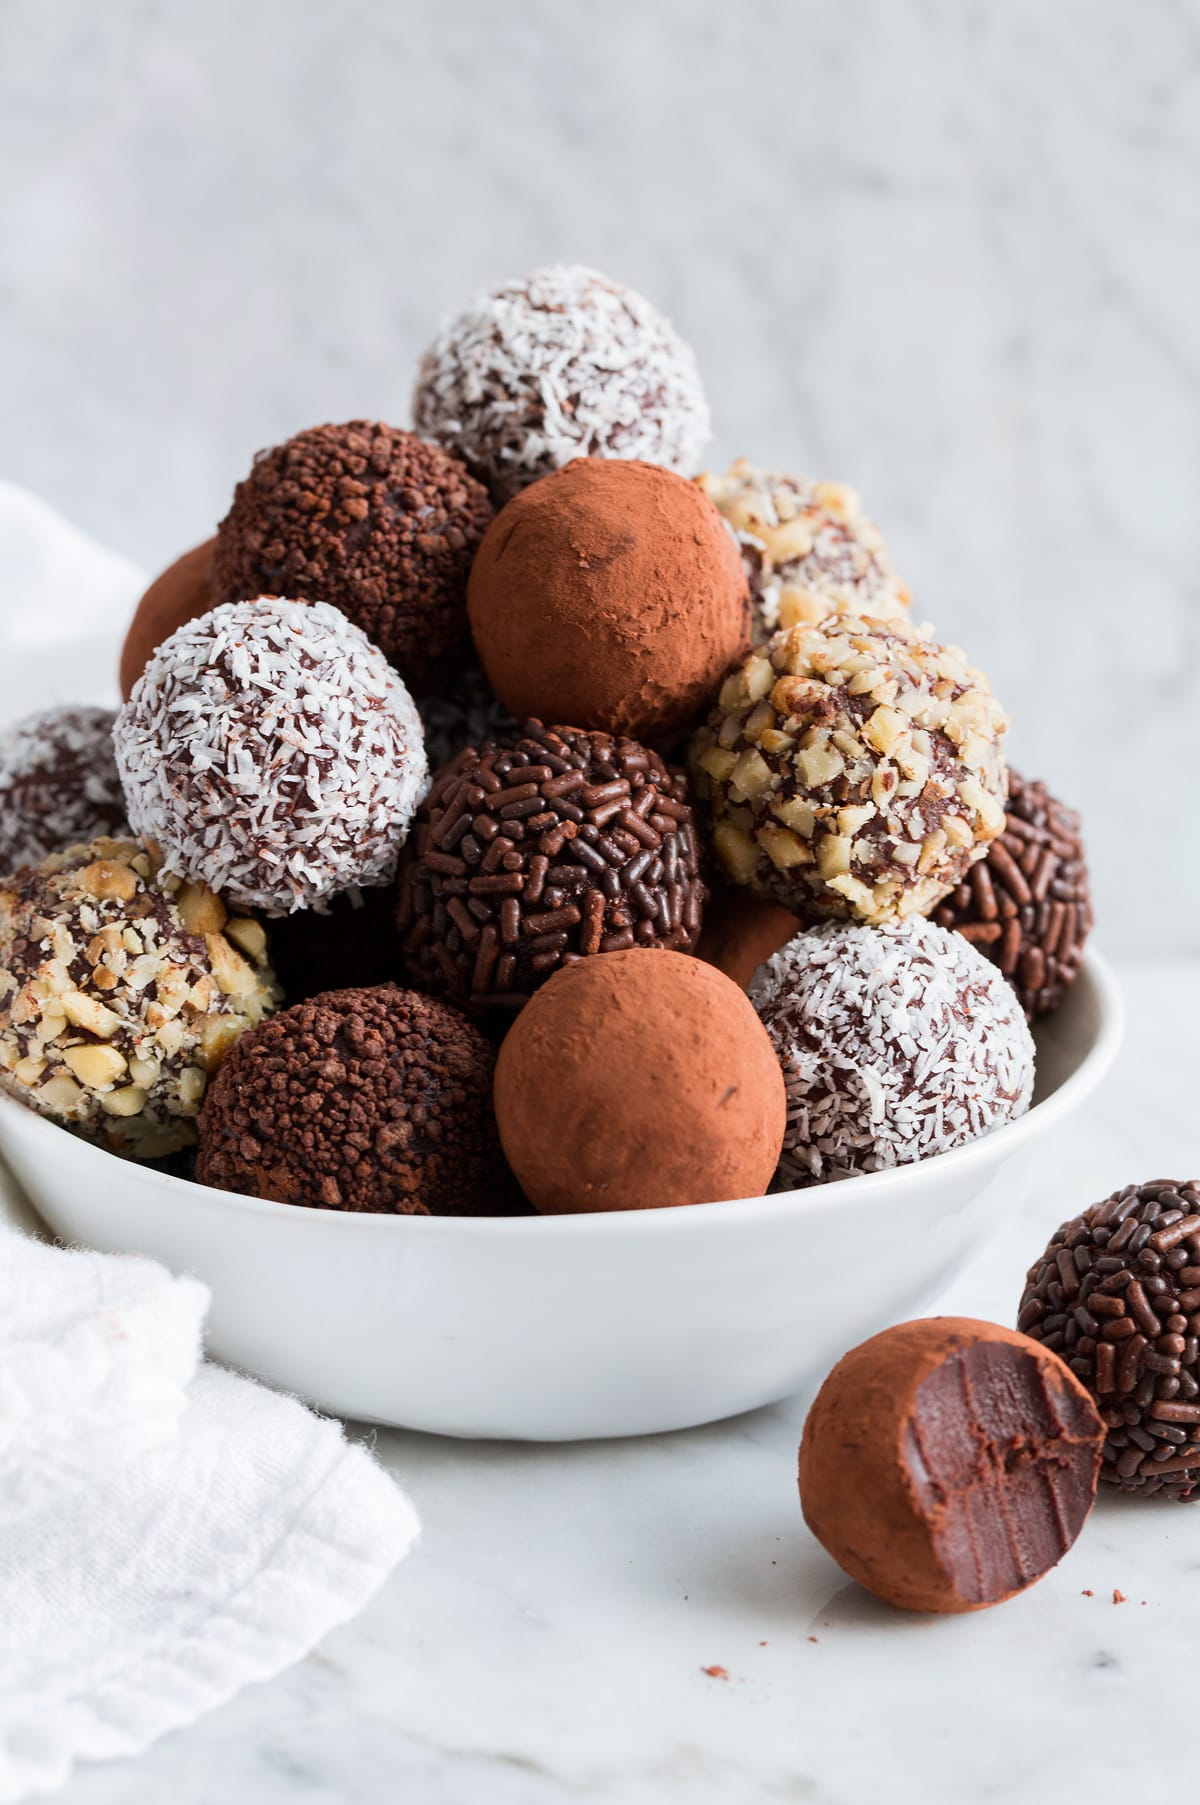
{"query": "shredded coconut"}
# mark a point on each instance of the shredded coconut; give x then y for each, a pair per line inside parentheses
(58, 784)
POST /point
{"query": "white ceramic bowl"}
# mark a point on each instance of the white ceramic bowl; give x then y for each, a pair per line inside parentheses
(555, 1328)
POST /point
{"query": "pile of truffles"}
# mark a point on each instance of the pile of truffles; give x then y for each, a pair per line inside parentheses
(443, 729)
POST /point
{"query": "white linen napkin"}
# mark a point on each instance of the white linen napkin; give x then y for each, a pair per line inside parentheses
(169, 1532)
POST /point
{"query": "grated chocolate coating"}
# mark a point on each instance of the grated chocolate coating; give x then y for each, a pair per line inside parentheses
(530, 855)
(556, 365)
(896, 1042)
(121, 990)
(367, 1100)
(1117, 1295)
(1028, 905)
(852, 767)
(370, 519)
(58, 784)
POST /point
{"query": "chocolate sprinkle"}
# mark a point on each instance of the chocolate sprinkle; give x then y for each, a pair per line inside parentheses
(530, 855)
(1027, 905)
(1117, 1295)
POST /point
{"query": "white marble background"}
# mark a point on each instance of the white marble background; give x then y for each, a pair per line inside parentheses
(946, 250)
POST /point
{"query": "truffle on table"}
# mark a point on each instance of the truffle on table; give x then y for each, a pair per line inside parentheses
(58, 784)
(272, 752)
(1116, 1293)
(560, 364)
(556, 846)
(365, 1100)
(370, 519)
(609, 595)
(636, 1082)
(121, 991)
(181, 593)
(808, 548)
(852, 767)
(947, 1464)
(896, 1043)
(1027, 905)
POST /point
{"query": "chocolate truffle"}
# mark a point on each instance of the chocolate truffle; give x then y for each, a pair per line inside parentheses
(609, 596)
(1027, 905)
(351, 944)
(371, 520)
(1117, 1294)
(463, 711)
(634, 1083)
(559, 365)
(373, 1099)
(58, 784)
(272, 752)
(557, 846)
(808, 548)
(740, 932)
(896, 1043)
(180, 594)
(948, 1464)
(121, 990)
(852, 768)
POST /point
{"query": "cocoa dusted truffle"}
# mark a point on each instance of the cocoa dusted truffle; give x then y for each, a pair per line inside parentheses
(896, 1043)
(1117, 1294)
(1027, 905)
(808, 548)
(948, 1464)
(272, 752)
(374, 1099)
(852, 768)
(557, 365)
(180, 594)
(609, 595)
(635, 1083)
(121, 990)
(369, 519)
(58, 784)
(557, 846)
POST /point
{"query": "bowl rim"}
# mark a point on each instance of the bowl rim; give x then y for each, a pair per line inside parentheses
(804, 1200)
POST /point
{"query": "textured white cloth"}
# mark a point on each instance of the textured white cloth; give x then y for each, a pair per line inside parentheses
(169, 1532)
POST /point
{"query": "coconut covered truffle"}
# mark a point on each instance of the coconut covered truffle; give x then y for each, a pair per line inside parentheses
(1116, 1294)
(121, 990)
(634, 1083)
(58, 784)
(1028, 905)
(553, 848)
(610, 596)
(852, 768)
(559, 365)
(181, 593)
(272, 753)
(808, 548)
(896, 1043)
(947, 1464)
(374, 1099)
(369, 519)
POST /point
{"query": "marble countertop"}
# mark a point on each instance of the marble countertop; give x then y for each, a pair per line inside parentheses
(549, 1638)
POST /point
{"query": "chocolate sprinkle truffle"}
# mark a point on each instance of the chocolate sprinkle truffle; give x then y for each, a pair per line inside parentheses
(896, 1043)
(610, 596)
(1117, 1294)
(181, 593)
(121, 990)
(559, 365)
(58, 784)
(552, 848)
(852, 768)
(631, 1083)
(367, 1100)
(808, 548)
(272, 753)
(1027, 905)
(948, 1464)
(369, 519)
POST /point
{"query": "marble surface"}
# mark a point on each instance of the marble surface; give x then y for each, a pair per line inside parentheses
(547, 1640)
(948, 252)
